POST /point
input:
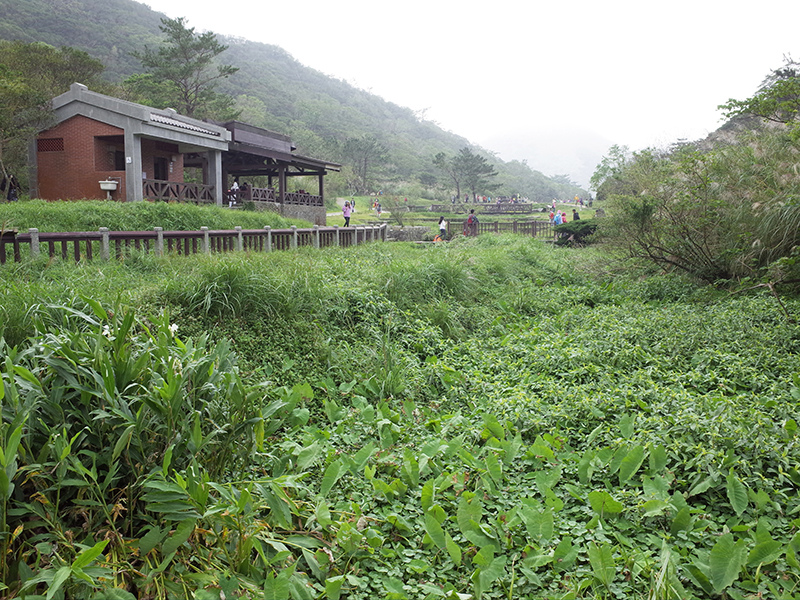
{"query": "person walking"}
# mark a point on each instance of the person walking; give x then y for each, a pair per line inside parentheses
(346, 211)
(443, 228)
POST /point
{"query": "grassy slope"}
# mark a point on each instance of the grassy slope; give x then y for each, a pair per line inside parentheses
(498, 422)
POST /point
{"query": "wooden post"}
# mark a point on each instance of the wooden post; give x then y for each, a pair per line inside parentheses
(336, 235)
(316, 237)
(239, 238)
(206, 240)
(268, 245)
(105, 251)
(294, 237)
(35, 242)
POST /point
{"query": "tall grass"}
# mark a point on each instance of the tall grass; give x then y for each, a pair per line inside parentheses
(133, 216)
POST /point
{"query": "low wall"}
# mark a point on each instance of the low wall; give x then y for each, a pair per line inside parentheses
(410, 233)
(312, 214)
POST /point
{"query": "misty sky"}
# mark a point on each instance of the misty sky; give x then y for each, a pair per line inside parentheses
(531, 80)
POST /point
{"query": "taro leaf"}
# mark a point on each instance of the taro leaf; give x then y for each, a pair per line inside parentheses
(764, 553)
(492, 572)
(542, 450)
(394, 589)
(494, 468)
(493, 427)
(564, 555)
(435, 531)
(115, 593)
(277, 588)
(653, 508)
(737, 493)
(602, 560)
(658, 459)
(308, 456)
(682, 521)
(332, 474)
(453, 550)
(539, 524)
(630, 464)
(333, 587)
(626, 425)
(603, 504)
(725, 561)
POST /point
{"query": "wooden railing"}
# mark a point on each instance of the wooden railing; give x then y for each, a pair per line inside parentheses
(530, 228)
(156, 189)
(105, 244)
(302, 198)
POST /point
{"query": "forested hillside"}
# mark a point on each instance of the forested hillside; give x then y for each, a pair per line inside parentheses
(275, 91)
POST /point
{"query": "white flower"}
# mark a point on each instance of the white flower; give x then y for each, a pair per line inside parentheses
(173, 328)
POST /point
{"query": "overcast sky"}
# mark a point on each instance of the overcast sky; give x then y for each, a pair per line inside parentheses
(503, 72)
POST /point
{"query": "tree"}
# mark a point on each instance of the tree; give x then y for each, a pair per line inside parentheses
(183, 73)
(361, 154)
(30, 76)
(447, 164)
(777, 100)
(476, 172)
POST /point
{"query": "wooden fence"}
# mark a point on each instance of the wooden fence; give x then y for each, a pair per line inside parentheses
(105, 244)
(530, 228)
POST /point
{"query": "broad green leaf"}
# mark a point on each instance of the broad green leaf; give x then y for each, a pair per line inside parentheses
(737, 493)
(332, 474)
(308, 456)
(725, 561)
(453, 550)
(602, 560)
(277, 587)
(565, 555)
(603, 504)
(654, 507)
(626, 425)
(764, 553)
(658, 459)
(630, 464)
(539, 524)
(333, 587)
(494, 468)
(435, 531)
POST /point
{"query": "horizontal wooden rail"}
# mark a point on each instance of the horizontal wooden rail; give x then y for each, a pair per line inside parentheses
(104, 243)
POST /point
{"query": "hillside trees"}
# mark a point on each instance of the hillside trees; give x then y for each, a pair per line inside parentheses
(728, 213)
(777, 100)
(363, 155)
(182, 73)
(30, 76)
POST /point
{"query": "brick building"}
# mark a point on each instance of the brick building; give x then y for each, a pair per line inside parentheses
(100, 143)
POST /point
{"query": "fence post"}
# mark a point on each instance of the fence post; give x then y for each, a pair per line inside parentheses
(105, 250)
(355, 236)
(268, 245)
(336, 235)
(206, 240)
(239, 238)
(316, 237)
(294, 237)
(159, 240)
(35, 241)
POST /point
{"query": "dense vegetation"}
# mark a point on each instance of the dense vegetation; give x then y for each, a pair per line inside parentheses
(492, 416)
(321, 114)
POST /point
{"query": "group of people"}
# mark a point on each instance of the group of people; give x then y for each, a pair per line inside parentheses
(560, 217)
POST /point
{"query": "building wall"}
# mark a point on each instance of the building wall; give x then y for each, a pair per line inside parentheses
(70, 163)
(152, 150)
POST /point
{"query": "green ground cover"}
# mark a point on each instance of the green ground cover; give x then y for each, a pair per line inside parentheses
(493, 417)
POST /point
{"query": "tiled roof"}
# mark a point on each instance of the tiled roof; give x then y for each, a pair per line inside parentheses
(175, 123)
